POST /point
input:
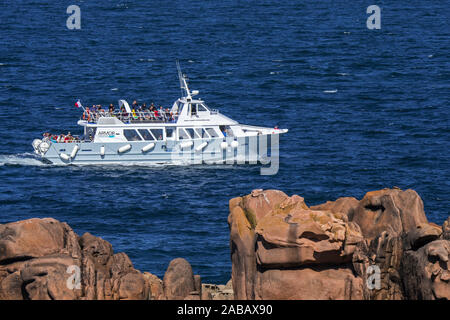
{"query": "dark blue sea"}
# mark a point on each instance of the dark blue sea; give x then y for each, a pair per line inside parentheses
(365, 109)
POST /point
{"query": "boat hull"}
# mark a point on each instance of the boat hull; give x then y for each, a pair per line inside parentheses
(241, 150)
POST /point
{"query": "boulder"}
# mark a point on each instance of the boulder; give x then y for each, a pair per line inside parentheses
(391, 210)
(178, 280)
(308, 283)
(304, 237)
(34, 238)
(272, 235)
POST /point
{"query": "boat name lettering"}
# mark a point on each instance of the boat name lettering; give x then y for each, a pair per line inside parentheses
(110, 134)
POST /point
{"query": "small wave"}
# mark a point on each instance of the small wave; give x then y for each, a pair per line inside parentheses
(342, 74)
(191, 61)
(114, 89)
(24, 159)
(2, 64)
(330, 91)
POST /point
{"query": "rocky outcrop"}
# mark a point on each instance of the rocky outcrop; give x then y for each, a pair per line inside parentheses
(43, 259)
(279, 248)
(381, 247)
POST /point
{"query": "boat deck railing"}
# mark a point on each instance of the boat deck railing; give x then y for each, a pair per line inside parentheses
(131, 117)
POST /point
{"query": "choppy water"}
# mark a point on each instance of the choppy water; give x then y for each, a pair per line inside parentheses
(365, 109)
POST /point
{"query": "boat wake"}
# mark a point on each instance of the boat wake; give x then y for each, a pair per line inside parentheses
(21, 159)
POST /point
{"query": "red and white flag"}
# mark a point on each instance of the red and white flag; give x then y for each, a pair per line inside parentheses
(78, 104)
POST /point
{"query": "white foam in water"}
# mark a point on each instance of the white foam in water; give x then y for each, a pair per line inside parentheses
(114, 89)
(331, 91)
(24, 159)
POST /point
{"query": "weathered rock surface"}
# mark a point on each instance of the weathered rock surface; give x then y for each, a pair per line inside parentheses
(178, 280)
(43, 259)
(391, 210)
(218, 291)
(381, 247)
(279, 246)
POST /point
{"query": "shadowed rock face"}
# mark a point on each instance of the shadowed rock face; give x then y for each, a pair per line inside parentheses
(281, 249)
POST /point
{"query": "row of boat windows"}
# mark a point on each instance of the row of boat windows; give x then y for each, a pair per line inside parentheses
(158, 134)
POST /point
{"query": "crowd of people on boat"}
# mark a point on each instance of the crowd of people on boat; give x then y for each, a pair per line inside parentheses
(61, 138)
(139, 112)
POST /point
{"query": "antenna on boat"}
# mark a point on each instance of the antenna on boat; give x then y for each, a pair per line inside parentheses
(183, 82)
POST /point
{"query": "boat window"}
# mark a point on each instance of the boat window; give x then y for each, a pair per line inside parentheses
(157, 133)
(179, 107)
(146, 134)
(170, 132)
(193, 109)
(201, 132)
(131, 135)
(212, 132)
(192, 133)
(201, 108)
(226, 131)
(182, 134)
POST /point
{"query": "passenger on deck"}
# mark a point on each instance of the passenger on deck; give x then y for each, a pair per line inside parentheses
(124, 112)
(161, 113)
(87, 114)
(167, 113)
(111, 109)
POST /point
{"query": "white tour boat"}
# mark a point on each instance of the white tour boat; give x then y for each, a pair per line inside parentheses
(190, 132)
